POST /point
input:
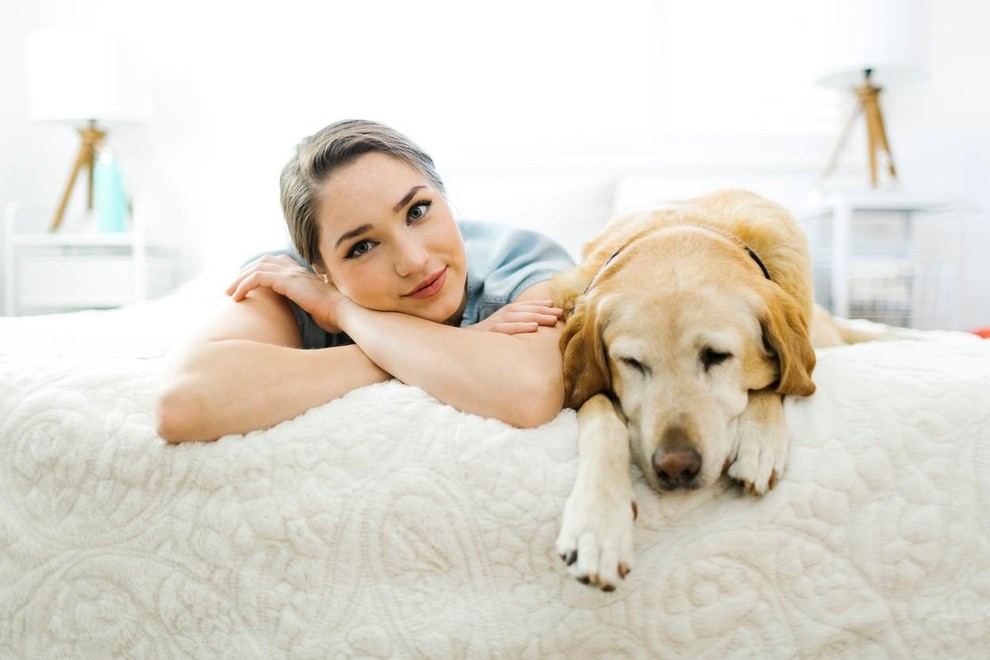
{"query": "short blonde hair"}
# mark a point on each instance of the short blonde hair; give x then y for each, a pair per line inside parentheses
(317, 156)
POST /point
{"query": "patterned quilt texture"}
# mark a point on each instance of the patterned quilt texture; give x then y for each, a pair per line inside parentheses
(386, 524)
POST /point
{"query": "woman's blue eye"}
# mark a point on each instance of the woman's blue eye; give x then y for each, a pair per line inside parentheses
(418, 212)
(359, 248)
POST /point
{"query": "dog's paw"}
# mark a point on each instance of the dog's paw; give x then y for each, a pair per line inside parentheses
(595, 539)
(759, 462)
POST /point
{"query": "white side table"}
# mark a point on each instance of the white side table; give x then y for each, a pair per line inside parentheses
(897, 277)
(59, 272)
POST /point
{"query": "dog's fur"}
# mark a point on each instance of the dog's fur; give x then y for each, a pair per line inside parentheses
(679, 349)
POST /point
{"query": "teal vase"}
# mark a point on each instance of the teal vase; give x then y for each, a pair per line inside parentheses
(110, 198)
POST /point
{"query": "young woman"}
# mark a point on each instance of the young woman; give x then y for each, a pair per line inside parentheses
(383, 283)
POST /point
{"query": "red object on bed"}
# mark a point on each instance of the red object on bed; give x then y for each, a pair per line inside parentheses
(982, 332)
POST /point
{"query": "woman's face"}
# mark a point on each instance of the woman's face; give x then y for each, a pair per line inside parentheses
(389, 240)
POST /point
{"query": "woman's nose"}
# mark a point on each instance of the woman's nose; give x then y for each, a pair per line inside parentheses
(411, 258)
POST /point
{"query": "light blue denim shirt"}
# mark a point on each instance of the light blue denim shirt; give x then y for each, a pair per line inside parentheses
(502, 262)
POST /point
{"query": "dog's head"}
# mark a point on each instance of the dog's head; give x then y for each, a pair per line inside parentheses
(681, 329)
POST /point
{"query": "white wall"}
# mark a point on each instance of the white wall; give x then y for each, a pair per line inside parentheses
(942, 135)
(557, 99)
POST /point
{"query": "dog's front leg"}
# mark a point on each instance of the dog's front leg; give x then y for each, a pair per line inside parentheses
(760, 450)
(596, 532)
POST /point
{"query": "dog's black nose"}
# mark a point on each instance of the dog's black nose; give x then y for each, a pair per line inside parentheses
(676, 468)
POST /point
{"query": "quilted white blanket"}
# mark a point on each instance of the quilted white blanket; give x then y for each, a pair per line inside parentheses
(387, 524)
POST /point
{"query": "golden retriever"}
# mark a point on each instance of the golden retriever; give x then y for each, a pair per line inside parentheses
(686, 327)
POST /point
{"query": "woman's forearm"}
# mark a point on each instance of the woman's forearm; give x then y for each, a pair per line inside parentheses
(514, 378)
(233, 386)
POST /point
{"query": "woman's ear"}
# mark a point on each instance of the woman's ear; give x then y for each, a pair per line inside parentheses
(585, 365)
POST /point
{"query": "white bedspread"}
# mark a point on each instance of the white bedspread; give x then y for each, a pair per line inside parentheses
(386, 524)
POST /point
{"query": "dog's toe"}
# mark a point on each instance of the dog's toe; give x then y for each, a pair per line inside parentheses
(587, 562)
(758, 466)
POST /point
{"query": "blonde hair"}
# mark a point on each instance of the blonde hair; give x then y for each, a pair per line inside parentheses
(317, 156)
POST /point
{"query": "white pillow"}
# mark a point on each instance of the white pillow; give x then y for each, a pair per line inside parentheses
(569, 208)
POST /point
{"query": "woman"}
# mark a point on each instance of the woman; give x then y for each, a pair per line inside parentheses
(385, 284)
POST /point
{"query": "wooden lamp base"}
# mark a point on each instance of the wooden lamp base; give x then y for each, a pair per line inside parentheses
(868, 104)
(92, 140)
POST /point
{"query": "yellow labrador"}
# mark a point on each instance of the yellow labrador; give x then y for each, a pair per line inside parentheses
(686, 327)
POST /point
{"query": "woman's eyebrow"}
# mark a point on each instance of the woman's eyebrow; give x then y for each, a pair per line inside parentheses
(405, 200)
(357, 231)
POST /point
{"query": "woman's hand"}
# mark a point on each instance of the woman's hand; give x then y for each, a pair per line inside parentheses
(520, 317)
(283, 275)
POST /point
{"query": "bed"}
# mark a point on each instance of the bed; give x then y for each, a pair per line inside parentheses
(385, 524)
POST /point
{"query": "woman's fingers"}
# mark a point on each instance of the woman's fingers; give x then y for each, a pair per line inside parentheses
(251, 281)
(541, 306)
(539, 318)
(515, 328)
(522, 316)
(536, 308)
(264, 271)
(519, 322)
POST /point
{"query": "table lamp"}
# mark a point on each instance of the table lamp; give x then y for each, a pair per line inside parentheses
(868, 45)
(88, 79)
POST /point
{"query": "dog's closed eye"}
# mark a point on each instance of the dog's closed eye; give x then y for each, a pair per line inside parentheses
(636, 365)
(712, 358)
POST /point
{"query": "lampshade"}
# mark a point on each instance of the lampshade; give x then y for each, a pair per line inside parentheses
(885, 36)
(79, 75)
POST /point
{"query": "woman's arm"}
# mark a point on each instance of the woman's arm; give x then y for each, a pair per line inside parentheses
(516, 378)
(246, 371)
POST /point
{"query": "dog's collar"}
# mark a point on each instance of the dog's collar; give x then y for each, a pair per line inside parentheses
(602, 269)
(756, 258)
(752, 253)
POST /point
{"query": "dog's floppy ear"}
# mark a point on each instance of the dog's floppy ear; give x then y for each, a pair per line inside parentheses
(567, 287)
(585, 366)
(785, 330)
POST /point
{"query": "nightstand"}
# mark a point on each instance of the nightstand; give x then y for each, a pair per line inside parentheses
(887, 257)
(60, 272)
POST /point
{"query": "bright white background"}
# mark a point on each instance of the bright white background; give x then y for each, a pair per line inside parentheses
(558, 100)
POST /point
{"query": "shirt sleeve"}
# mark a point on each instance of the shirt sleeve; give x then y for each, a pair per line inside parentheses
(503, 262)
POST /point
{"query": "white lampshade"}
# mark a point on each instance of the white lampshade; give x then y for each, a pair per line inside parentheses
(885, 36)
(79, 75)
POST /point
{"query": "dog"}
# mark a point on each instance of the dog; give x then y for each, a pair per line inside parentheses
(686, 326)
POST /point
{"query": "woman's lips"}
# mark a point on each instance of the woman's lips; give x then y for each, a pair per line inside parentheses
(429, 286)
